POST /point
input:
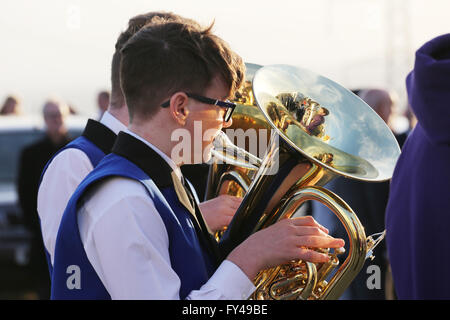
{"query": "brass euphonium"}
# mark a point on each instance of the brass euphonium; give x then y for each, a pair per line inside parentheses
(318, 130)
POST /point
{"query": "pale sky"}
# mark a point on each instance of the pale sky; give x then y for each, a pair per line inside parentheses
(64, 47)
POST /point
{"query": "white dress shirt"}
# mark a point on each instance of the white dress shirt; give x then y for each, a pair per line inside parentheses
(60, 180)
(126, 242)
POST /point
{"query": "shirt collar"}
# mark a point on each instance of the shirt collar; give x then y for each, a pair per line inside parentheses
(112, 123)
(169, 161)
(100, 135)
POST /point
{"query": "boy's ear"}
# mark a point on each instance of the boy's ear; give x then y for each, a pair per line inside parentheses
(179, 109)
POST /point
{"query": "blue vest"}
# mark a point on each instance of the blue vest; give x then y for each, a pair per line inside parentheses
(190, 258)
(95, 141)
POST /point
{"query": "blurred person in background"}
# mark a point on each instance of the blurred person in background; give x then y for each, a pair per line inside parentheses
(369, 201)
(412, 119)
(382, 103)
(103, 102)
(32, 160)
(72, 109)
(417, 215)
(11, 106)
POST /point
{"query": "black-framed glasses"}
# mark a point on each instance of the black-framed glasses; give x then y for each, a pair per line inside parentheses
(230, 106)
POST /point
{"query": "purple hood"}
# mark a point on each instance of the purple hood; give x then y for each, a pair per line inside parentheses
(418, 211)
(429, 88)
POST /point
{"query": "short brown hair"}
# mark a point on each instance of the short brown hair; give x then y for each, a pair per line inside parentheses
(134, 25)
(171, 56)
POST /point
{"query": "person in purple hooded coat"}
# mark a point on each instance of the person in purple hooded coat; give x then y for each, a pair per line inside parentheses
(418, 211)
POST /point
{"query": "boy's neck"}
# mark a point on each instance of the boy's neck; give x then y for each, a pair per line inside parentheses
(120, 114)
(157, 136)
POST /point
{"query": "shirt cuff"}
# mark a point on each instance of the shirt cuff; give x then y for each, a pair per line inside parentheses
(232, 281)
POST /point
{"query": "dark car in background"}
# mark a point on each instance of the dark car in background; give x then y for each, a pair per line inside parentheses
(17, 132)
